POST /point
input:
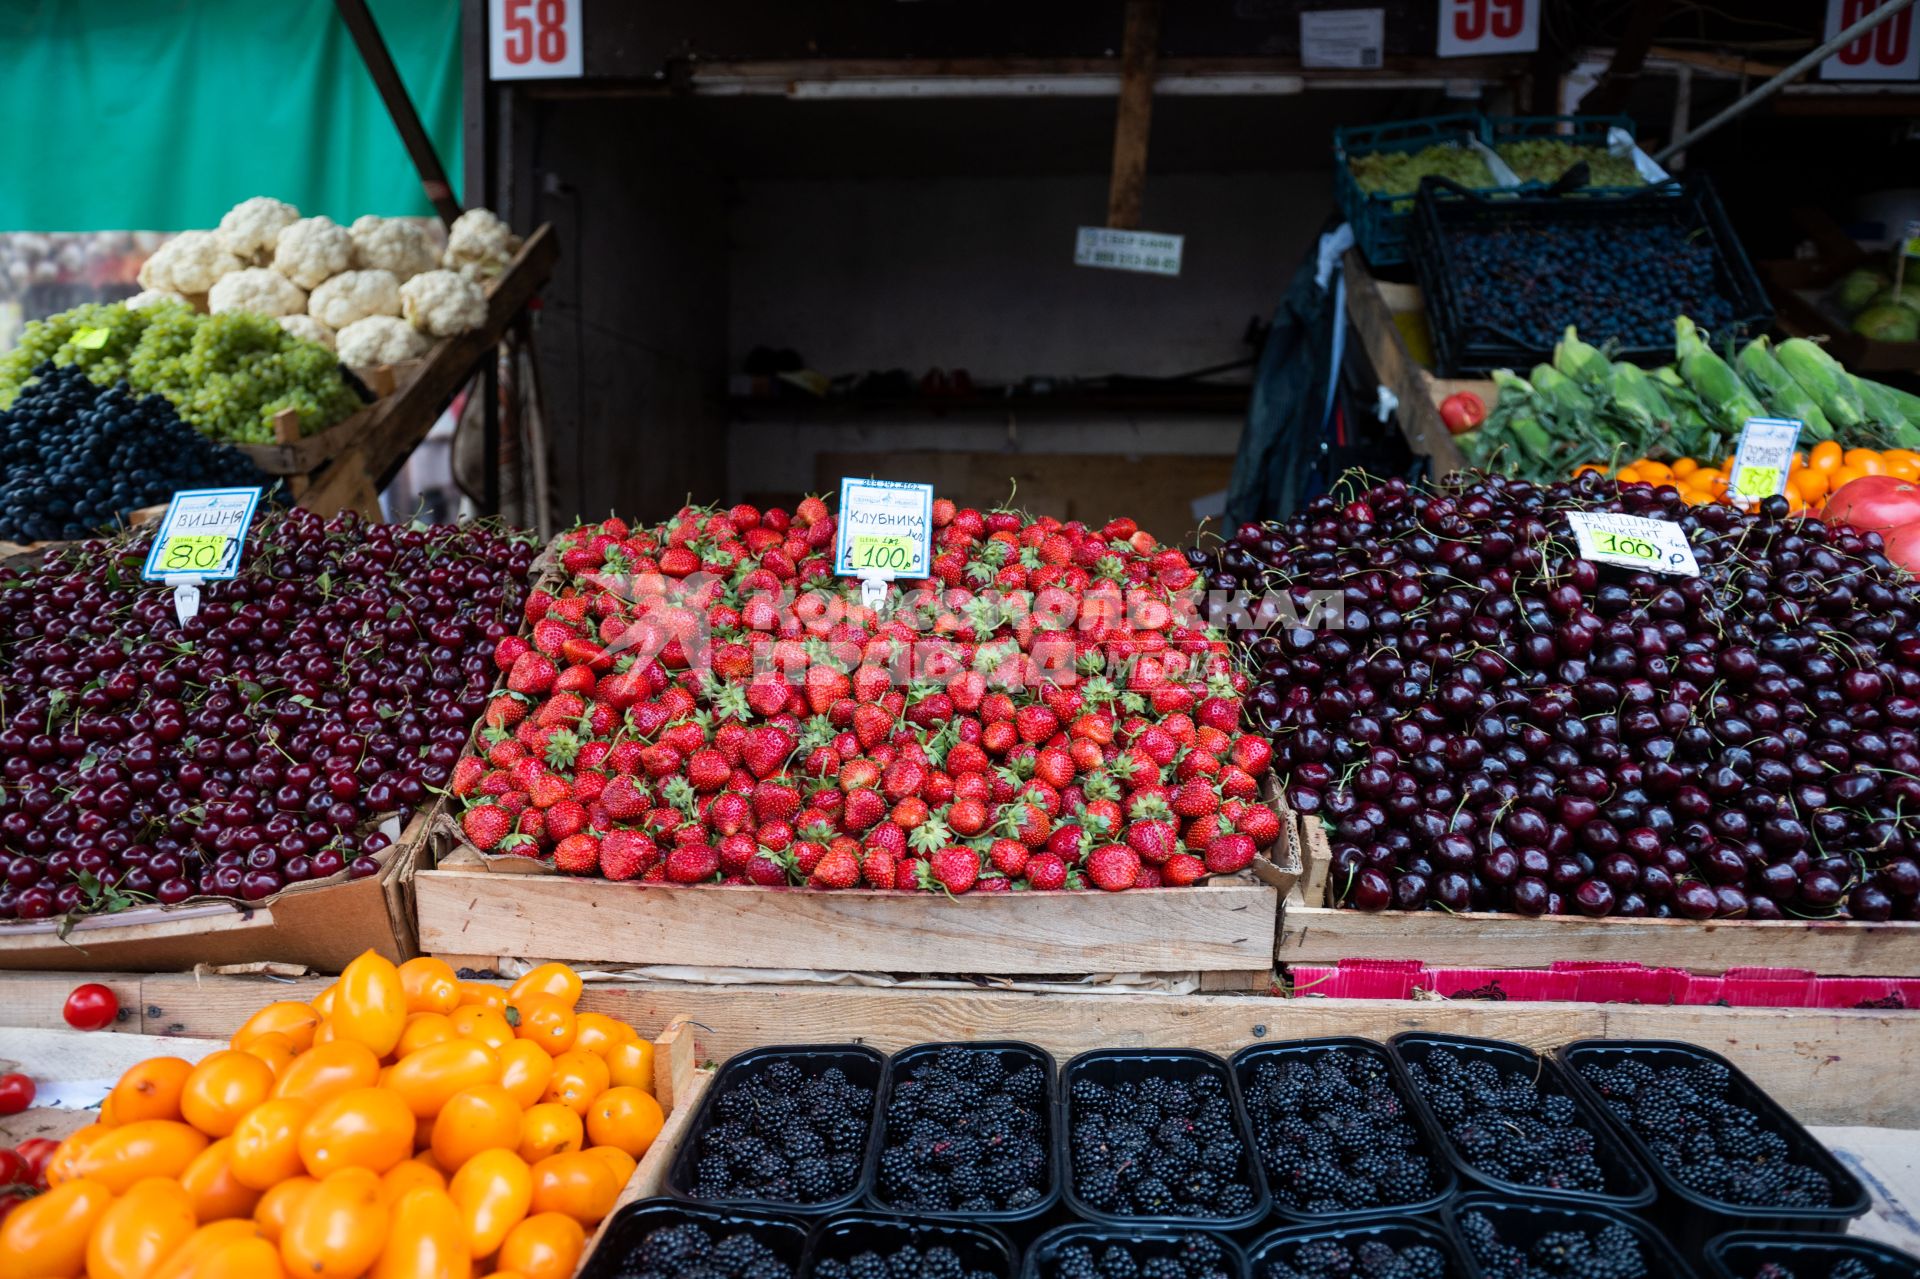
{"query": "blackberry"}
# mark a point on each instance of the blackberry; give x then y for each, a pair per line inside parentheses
(1334, 1134)
(675, 1252)
(905, 1262)
(1506, 1128)
(1160, 1147)
(1191, 1256)
(775, 1131)
(1613, 1252)
(1707, 1142)
(973, 1132)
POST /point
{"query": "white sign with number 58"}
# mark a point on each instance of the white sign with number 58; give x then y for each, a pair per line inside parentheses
(1469, 28)
(1888, 52)
(533, 39)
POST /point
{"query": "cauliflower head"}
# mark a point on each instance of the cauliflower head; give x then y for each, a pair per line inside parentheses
(259, 290)
(354, 295)
(148, 297)
(188, 263)
(311, 250)
(443, 303)
(250, 228)
(399, 245)
(305, 326)
(378, 339)
(479, 245)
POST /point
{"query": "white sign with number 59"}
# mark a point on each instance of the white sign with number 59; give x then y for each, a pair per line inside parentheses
(1888, 52)
(533, 39)
(1469, 28)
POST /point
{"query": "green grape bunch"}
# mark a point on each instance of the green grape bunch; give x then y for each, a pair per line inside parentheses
(226, 375)
(1545, 159)
(1399, 172)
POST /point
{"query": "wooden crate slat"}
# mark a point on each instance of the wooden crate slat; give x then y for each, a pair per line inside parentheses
(1824, 1065)
(1314, 933)
(1217, 927)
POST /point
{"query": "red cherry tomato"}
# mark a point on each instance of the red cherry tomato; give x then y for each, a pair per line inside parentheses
(1462, 411)
(38, 1152)
(16, 1094)
(14, 1168)
(91, 1007)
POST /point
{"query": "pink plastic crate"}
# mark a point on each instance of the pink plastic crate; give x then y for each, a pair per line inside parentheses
(1526, 985)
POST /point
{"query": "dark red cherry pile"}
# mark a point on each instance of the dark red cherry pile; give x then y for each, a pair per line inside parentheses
(1501, 725)
(332, 683)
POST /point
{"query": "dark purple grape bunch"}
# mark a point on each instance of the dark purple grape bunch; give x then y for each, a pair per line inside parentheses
(1499, 724)
(323, 693)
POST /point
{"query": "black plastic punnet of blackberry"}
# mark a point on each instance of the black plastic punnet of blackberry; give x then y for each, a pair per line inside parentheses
(1512, 1122)
(1772, 1254)
(636, 1243)
(1765, 1171)
(1351, 1143)
(1198, 1253)
(1504, 275)
(1157, 1136)
(1389, 1248)
(1561, 1241)
(786, 1128)
(957, 1093)
(844, 1236)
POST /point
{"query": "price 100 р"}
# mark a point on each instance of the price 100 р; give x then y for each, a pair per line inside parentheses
(891, 553)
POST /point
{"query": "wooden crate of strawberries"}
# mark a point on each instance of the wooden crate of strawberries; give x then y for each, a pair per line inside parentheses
(705, 751)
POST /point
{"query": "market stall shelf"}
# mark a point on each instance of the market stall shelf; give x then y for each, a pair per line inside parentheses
(322, 925)
(1314, 931)
(1823, 1065)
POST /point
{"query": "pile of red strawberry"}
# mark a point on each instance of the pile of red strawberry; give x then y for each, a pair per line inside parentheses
(1034, 716)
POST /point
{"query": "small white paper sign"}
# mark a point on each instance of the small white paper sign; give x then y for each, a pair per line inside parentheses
(1888, 52)
(885, 530)
(1152, 252)
(533, 39)
(1471, 28)
(1632, 541)
(1355, 38)
(201, 535)
(1762, 459)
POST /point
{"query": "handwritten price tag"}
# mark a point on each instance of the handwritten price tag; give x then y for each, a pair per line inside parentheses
(1631, 541)
(1763, 458)
(885, 529)
(91, 339)
(200, 537)
(196, 552)
(874, 550)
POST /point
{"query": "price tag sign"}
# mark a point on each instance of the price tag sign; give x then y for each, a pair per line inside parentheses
(200, 537)
(885, 531)
(91, 339)
(1149, 252)
(1763, 458)
(1910, 242)
(1472, 28)
(533, 39)
(1888, 52)
(1343, 38)
(1632, 541)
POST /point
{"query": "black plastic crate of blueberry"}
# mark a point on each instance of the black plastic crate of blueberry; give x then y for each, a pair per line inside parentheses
(1158, 1136)
(1119, 1252)
(1514, 1123)
(967, 1131)
(1504, 276)
(1335, 1131)
(1754, 1254)
(1395, 1249)
(1516, 1240)
(1720, 1146)
(785, 1127)
(667, 1239)
(884, 1246)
